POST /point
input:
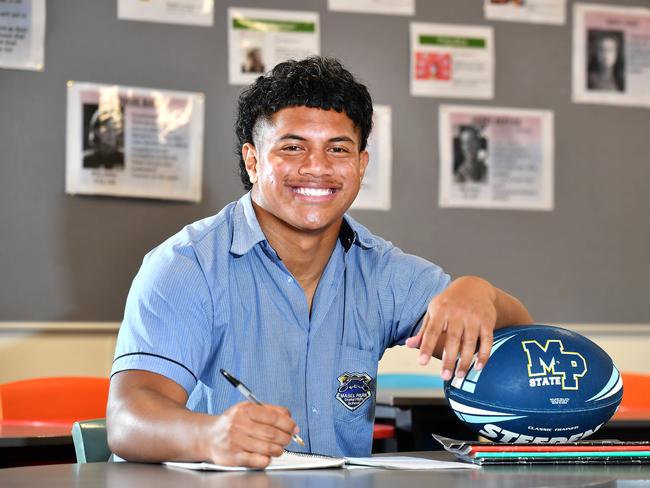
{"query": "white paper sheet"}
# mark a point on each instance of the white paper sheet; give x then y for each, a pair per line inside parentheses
(611, 55)
(260, 39)
(493, 157)
(190, 12)
(375, 192)
(22, 34)
(388, 7)
(136, 142)
(452, 61)
(534, 11)
(288, 461)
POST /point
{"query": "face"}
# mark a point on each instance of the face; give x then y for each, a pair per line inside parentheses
(469, 144)
(108, 135)
(306, 167)
(607, 52)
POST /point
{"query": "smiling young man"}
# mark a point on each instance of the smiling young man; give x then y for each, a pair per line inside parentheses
(287, 293)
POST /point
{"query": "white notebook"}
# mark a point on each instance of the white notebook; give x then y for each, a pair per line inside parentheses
(288, 460)
(299, 460)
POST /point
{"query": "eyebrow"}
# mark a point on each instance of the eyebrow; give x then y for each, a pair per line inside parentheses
(296, 137)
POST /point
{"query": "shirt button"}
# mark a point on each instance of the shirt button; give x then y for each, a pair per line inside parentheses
(314, 410)
(289, 279)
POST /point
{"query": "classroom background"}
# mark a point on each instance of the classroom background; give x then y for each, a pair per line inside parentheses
(67, 261)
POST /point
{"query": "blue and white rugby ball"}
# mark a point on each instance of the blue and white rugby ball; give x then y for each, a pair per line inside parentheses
(542, 384)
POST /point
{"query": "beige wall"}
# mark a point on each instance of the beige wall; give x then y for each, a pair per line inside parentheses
(30, 350)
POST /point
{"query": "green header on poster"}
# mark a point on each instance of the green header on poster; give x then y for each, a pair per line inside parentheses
(266, 25)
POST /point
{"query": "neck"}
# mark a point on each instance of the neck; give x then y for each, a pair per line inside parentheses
(304, 253)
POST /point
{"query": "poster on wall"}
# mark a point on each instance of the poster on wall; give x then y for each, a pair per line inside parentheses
(260, 39)
(189, 12)
(495, 158)
(376, 185)
(611, 55)
(22, 34)
(452, 61)
(535, 11)
(134, 142)
(389, 7)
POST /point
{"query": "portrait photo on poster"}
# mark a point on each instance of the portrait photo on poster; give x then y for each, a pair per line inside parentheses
(470, 154)
(103, 137)
(605, 60)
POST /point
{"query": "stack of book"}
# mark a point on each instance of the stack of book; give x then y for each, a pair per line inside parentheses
(582, 452)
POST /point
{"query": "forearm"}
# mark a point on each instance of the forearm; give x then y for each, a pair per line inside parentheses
(150, 427)
(510, 311)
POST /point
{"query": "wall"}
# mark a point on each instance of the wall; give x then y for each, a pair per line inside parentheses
(66, 259)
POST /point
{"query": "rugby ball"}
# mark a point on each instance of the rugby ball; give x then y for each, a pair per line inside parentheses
(542, 384)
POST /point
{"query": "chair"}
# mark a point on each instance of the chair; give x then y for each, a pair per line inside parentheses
(90, 441)
(56, 399)
(636, 399)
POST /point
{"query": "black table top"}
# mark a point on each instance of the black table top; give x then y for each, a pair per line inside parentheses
(126, 475)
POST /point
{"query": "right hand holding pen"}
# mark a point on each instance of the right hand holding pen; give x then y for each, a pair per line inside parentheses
(250, 435)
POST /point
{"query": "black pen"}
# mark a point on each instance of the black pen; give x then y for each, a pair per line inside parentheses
(241, 387)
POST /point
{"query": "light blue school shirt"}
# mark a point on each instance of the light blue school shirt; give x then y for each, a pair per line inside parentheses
(216, 295)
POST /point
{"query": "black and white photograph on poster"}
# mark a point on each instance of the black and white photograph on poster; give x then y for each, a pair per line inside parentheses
(258, 39)
(188, 12)
(611, 49)
(103, 138)
(375, 191)
(495, 157)
(134, 142)
(470, 154)
(605, 60)
(532, 11)
(22, 34)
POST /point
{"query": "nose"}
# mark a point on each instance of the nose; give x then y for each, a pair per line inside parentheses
(316, 164)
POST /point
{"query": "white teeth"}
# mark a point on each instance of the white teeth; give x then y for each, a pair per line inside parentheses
(314, 192)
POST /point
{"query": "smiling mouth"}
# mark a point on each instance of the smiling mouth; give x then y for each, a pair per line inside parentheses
(314, 192)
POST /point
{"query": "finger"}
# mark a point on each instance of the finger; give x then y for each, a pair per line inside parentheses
(274, 416)
(268, 433)
(414, 342)
(487, 338)
(468, 348)
(251, 459)
(452, 346)
(437, 325)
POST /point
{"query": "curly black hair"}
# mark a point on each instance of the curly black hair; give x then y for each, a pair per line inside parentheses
(315, 82)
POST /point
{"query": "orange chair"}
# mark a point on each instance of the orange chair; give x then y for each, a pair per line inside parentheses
(636, 396)
(54, 400)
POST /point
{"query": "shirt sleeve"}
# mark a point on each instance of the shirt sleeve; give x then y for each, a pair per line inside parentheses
(408, 284)
(168, 316)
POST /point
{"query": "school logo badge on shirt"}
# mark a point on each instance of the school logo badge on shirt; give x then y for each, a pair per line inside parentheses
(354, 389)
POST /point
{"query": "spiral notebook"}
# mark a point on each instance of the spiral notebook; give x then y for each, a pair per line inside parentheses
(288, 460)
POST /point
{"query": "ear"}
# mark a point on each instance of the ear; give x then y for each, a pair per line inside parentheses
(249, 154)
(364, 157)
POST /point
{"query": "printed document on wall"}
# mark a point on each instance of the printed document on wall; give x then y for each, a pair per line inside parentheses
(376, 185)
(452, 61)
(535, 11)
(495, 158)
(190, 12)
(389, 7)
(134, 142)
(611, 55)
(22, 34)
(260, 39)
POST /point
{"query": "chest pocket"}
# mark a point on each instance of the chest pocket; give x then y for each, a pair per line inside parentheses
(354, 385)
(354, 388)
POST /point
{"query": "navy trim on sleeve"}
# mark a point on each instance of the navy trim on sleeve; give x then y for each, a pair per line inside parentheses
(158, 356)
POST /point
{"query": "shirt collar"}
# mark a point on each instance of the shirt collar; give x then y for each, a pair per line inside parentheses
(247, 231)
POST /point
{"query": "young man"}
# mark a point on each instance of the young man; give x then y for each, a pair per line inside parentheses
(287, 293)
